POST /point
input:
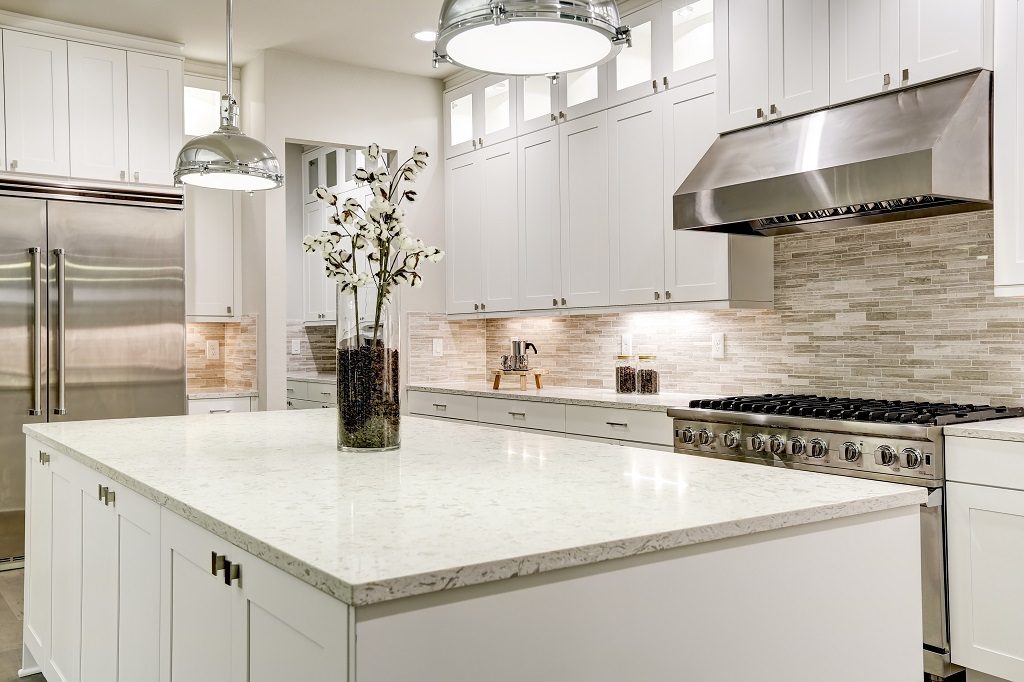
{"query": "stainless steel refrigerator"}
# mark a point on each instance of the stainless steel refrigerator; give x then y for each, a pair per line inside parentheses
(92, 318)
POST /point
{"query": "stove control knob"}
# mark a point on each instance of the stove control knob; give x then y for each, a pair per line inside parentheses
(818, 450)
(885, 455)
(851, 452)
(796, 447)
(911, 458)
(776, 445)
(705, 437)
(686, 435)
(755, 443)
(732, 439)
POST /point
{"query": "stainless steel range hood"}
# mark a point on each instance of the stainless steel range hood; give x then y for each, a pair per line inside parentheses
(923, 151)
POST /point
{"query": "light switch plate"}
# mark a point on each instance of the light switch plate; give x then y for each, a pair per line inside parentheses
(296, 348)
(718, 346)
(438, 348)
(212, 350)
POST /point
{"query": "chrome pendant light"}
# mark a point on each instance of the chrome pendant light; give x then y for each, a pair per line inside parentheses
(528, 37)
(227, 158)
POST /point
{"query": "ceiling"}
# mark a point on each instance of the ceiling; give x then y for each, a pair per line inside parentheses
(374, 33)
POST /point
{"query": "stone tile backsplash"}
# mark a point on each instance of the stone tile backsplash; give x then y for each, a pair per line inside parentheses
(237, 365)
(898, 310)
(316, 348)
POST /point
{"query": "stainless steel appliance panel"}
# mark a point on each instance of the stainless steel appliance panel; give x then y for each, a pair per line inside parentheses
(22, 358)
(116, 311)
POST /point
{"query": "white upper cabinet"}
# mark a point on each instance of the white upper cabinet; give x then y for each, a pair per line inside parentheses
(942, 37)
(636, 205)
(98, 106)
(638, 69)
(480, 113)
(313, 175)
(798, 58)
(314, 291)
(36, 103)
(741, 55)
(1008, 149)
(689, 28)
(499, 224)
(463, 182)
(155, 116)
(582, 93)
(540, 267)
(3, 138)
(537, 103)
(864, 47)
(213, 230)
(585, 234)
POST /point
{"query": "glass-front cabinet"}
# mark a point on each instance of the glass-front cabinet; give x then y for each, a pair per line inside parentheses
(479, 114)
(538, 103)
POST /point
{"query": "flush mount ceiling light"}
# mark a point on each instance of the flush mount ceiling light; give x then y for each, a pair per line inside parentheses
(227, 158)
(425, 36)
(528, 37)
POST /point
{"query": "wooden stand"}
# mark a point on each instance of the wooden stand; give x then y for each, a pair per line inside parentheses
(537, 378)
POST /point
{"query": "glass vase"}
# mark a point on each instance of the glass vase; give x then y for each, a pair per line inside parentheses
(368, 337)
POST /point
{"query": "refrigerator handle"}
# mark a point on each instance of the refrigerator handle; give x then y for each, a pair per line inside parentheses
(61, 392)
(37, 332)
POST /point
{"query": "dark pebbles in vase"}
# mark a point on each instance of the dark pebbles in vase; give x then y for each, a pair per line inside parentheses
(369, 409)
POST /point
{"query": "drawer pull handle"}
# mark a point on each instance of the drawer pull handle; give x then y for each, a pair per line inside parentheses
(622, 425)
(518, 414)
(220, 411)
(232, 571)
(216, 562)
(441, 406)
(101, 495)
(111, 498)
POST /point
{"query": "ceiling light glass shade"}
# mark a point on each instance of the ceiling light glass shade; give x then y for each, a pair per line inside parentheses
(228, 159)
(529, 37)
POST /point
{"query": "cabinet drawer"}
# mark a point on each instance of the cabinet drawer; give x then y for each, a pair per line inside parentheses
(640, 426)
(307, 404)
(297, 389)
(997, 463)
(524, 413)
(442, 405)
(323, 393)
(218, 405)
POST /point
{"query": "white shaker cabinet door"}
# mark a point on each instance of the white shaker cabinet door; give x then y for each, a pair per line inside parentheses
(798, 61)
(943, 37)
(66, 589)
(688, 46)
(1008, 149)
(213, 231)
(499, 225)
(583, 158)
(155, 117)
(540, 265)
(986, 593)
(36, 103)
(38, 510)
(314, 288)
(741, 53)
(696, 263)
(536, 103)
(864, 48)
(581, 93)
(637, 71)
(636, 204)
(100, 601)
(98, 106)
(138, 585)
(463, 215)
(3, 125)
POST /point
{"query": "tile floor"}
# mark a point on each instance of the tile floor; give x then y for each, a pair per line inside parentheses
(11, 612)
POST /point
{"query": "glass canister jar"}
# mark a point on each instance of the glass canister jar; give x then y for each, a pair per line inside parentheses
(647, 375)
(625, 374)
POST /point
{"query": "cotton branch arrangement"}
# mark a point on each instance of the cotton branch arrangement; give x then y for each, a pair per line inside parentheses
(393, 255)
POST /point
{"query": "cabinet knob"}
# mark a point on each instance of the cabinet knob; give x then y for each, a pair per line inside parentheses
(563, 302)
(886, 80)
(481, 142)
(906, 75)
(760, 113)
(229, 310)
(111, 498)
(554, 118)
(102, 494)
(665, 82)
(232, 572)
(216, 562)
(136, 175)
(44, 458)
(773, 110)
(561, 115)
(476, 306)
(654, 84)
(668, 295)
(554, 302)
(657, 295)
(124, 175)
(483, 307)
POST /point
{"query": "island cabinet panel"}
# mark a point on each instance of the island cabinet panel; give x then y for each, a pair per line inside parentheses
(38, 515)
(569, 625)
(229, 616)
(64, 662)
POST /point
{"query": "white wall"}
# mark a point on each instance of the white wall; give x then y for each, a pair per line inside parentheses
(294, 199)
(289, 97)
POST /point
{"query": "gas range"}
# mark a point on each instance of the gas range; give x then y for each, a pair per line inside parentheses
(891, 440)
(888, 440)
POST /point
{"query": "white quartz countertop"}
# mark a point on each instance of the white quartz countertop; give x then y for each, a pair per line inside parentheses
(458, 504)
(317, 377)
(568, 395)
(996, 429)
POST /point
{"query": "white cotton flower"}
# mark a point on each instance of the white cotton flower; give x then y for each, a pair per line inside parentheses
(352, 204)
(324, 194)
(373, 151)
(416, 281)
(361, 175)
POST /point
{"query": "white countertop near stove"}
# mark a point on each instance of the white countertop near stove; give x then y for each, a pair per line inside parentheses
(457, 505)
(212, 393)
(316, 377)
(996, 429)
(568, 395)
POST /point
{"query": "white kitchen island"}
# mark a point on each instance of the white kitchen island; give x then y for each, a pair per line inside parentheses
(245, 547)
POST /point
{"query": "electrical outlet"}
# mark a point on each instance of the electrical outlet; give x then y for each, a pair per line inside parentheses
(212, 350)
(626, 344)
(718, 346)
(438, 348)
(296, 347)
